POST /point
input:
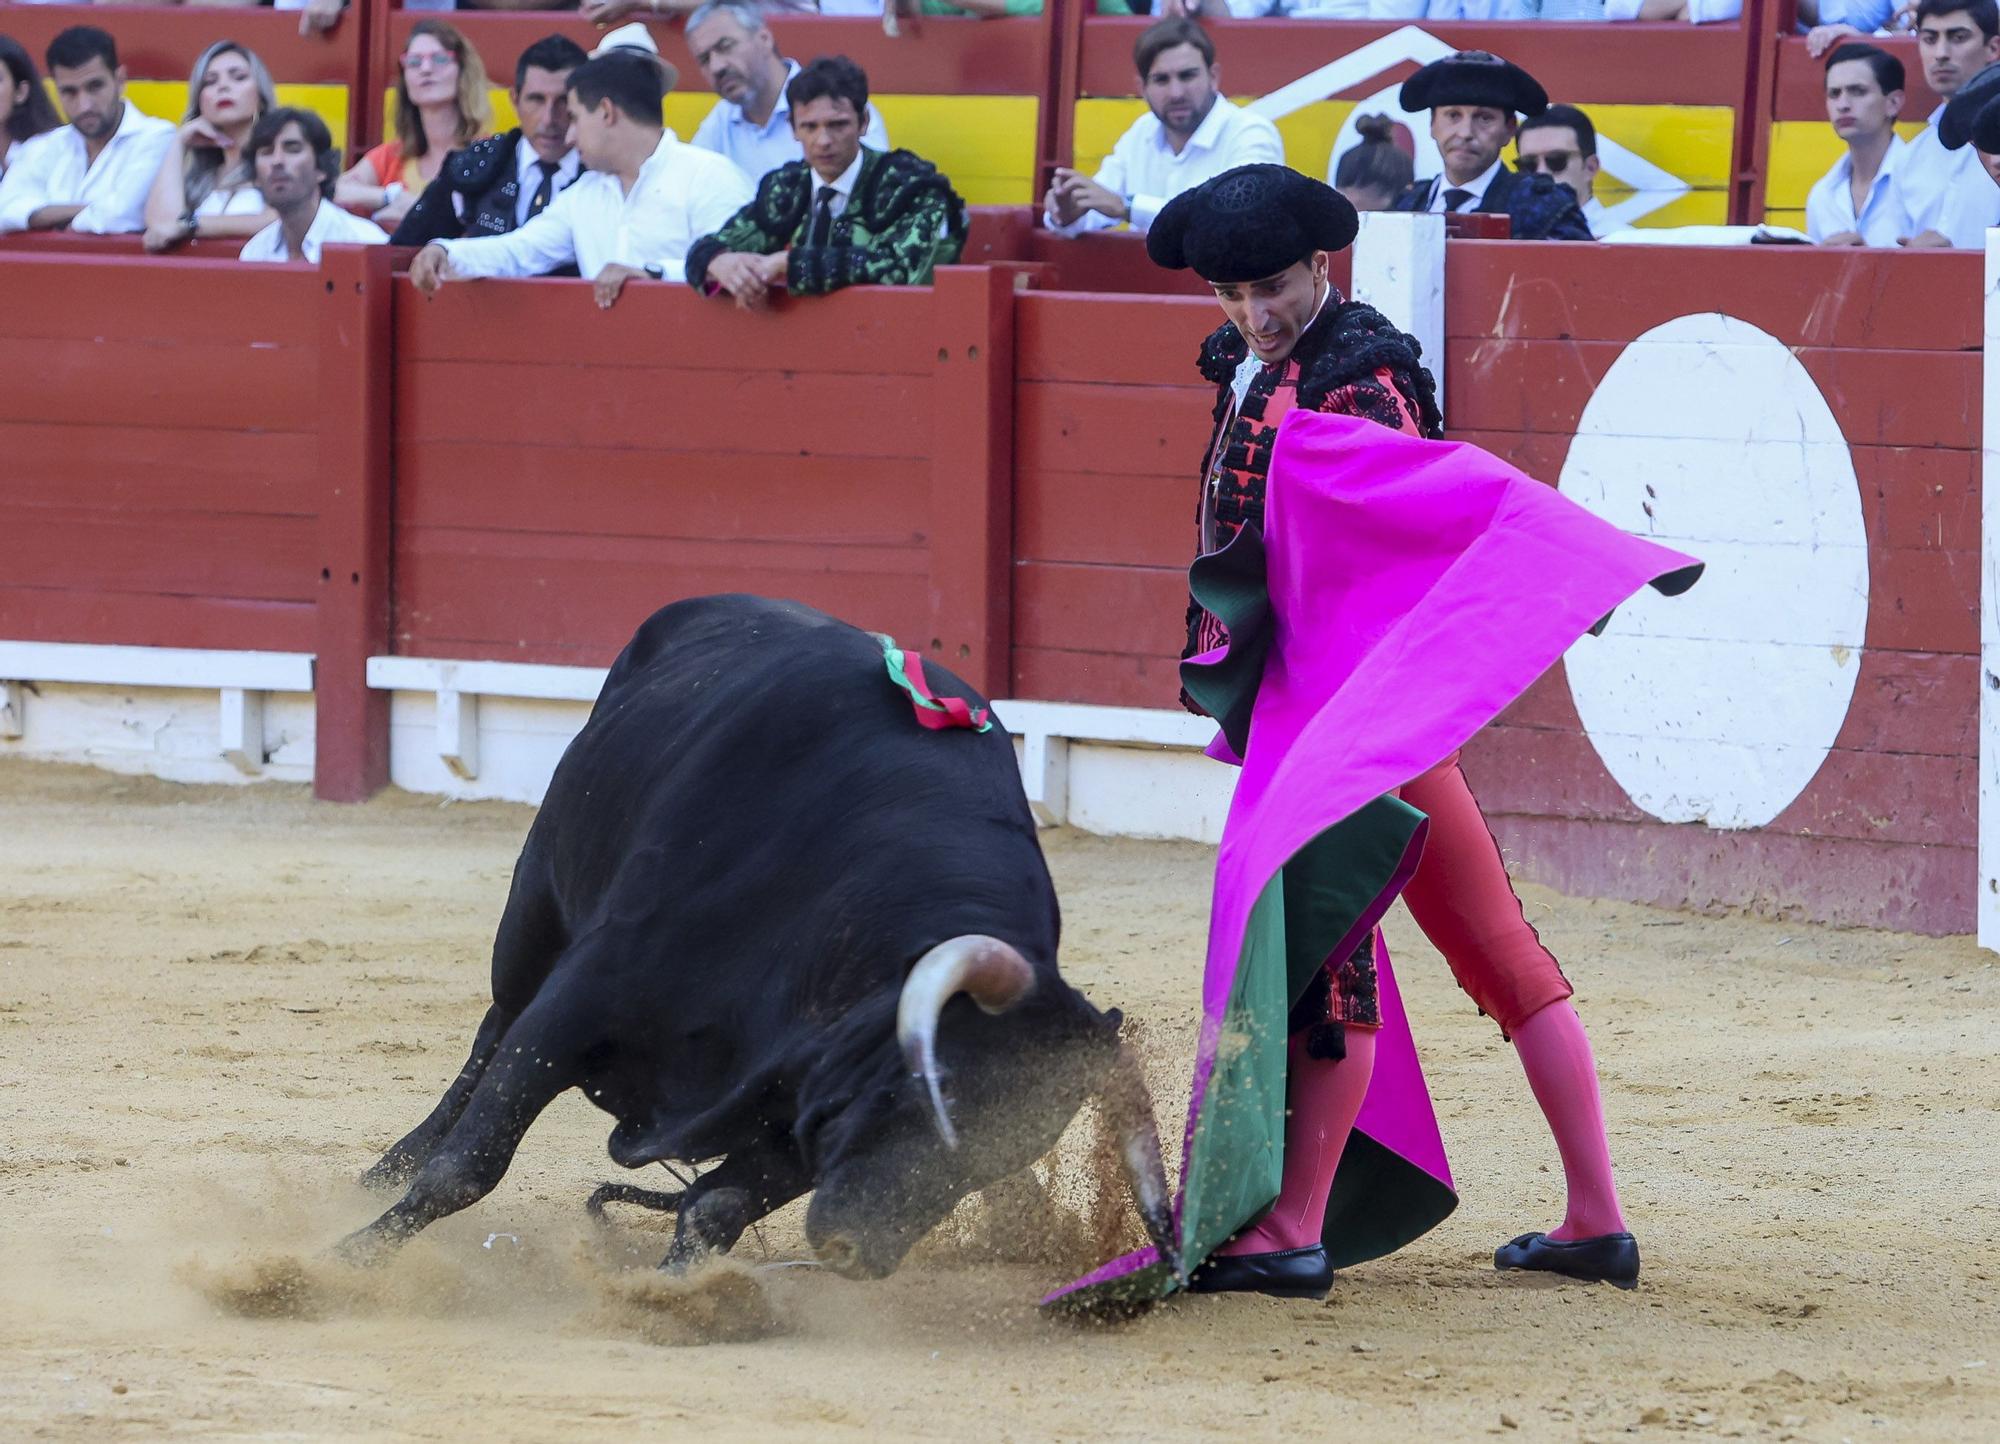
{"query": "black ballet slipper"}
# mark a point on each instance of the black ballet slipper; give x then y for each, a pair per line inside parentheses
(1292, 1273)
(1610, 1258)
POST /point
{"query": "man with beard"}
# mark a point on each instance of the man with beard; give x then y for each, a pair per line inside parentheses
(1189, 135)
(296, 165)
(494, 185)
(1860, 202)
(752, 122)
(94, 173)
(1473, 98)
(1951, 202)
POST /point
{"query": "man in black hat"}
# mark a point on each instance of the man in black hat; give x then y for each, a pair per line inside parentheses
(1972, 117)
(1474, 99)
(1262, 237)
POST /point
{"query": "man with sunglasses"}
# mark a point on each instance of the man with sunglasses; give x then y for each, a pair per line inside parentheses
(1474, 98)
(1561, 143)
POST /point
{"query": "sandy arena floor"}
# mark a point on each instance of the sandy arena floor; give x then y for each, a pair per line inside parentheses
(217, 1006)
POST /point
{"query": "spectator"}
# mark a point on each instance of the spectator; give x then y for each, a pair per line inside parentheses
(1562, 144)
(642, 200)
(1695, 12)
(1189, 134)
(610, 12)
(1473, 97)
(441, 106)
(205, 186)
(1825, 23)
(92, 174)
(751, 124)
(494, 185)
(1950, 201)
(844, 215)
(1372, 173)
(25, 110)
(295, 163)
(1859, 202)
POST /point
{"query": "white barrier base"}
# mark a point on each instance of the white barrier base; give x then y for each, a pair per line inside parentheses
(172, 732)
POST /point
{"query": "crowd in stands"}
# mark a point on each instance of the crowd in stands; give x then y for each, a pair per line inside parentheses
(790, 181)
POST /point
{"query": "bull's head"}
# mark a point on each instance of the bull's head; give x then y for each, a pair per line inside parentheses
(989, 1089)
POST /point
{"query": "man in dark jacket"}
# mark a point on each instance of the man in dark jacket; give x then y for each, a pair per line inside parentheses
(494, 185)
(1474, 99)
(843, 216)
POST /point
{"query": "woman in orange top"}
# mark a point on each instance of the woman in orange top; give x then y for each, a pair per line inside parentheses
(441, 104)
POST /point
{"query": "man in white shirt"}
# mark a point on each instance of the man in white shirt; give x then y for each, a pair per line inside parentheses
(751, 124)
(296, 164)
(1859, 202)
(1189, 135)
(643, 199)
(1950, 200)
(94, 173)
(1562, 144)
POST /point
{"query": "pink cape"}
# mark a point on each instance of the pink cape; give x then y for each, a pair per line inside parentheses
(1415, 589)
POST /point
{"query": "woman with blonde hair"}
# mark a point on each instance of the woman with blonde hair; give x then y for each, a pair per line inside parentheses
(205, 186)
(441, 105)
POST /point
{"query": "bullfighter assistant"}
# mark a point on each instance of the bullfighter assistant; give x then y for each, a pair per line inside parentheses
(1261, 236)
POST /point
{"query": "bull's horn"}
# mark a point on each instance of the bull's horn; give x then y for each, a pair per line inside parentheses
(993, 974)
(1130, 1107)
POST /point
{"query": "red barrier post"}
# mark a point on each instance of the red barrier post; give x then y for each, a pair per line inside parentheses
(351, 744)
(972, 475)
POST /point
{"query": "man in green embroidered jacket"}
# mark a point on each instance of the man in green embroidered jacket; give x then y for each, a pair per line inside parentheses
(843, 216)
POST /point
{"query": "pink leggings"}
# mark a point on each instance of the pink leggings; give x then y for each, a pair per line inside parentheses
(1464, 901)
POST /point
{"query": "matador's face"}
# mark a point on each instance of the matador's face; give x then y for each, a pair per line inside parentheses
(1272, 313)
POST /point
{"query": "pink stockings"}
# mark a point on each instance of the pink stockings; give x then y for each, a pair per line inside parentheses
(1323, 1097)
(1555, 1054)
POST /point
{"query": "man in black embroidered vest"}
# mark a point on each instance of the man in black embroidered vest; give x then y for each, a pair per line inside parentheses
(494, 185)
(1474, 99)
(843, 216)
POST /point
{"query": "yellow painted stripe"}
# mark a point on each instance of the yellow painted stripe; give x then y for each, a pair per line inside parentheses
(1801, 152)
(168, 100)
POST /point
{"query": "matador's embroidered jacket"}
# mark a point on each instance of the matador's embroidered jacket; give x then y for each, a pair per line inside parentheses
(902, 222)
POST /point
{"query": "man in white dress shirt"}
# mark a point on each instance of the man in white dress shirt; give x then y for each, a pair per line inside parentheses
(94, 173)
(1859, 202)
(1951, 202)
(1189, 135)
(751, 124)
(296, 164)
(642, 200)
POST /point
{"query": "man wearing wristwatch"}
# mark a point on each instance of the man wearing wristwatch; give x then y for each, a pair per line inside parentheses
(1189, 135)
(642, 200)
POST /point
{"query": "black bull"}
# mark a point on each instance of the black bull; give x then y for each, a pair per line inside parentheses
(765, 918)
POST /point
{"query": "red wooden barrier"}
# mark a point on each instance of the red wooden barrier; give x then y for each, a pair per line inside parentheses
(159, 425)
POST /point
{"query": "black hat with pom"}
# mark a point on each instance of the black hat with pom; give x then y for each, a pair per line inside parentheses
(1964, 112)
(1249, 223)
(1474, 77)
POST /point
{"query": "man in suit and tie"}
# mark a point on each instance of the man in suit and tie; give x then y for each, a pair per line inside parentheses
(1475, 99)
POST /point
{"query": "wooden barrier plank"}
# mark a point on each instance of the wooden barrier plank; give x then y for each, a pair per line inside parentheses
(1923, 600)
(191, 386)
(147, 619)
(662, 409)
(260, 557)
(1540, 454)
(1089, 608)
(1838, 298)
(171, 303)
(1105, 678)
(869, 330)
(624, 492)
(1064, 336)
(1073, 516)
(1835, 880)
(1141, 431)
(140, 468)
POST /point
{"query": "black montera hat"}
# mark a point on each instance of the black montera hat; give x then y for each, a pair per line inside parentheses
(1963, 112)
(1474, 77)
(1249, 223)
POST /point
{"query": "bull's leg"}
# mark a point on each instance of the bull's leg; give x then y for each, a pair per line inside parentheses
(539, 1057)
(395, 1168)
(653, 1198)
(723, 1202)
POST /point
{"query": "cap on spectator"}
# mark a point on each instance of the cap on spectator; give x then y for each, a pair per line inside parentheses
(637, 37)
(1474, 77)
(1249, 223)
(1965, 109)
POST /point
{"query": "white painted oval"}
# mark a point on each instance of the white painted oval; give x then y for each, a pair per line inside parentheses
(1719, 706)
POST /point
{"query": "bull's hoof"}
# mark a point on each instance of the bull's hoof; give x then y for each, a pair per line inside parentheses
(391, 1173)
(364, 1248)
(651, 1198)
(1609, 1258)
